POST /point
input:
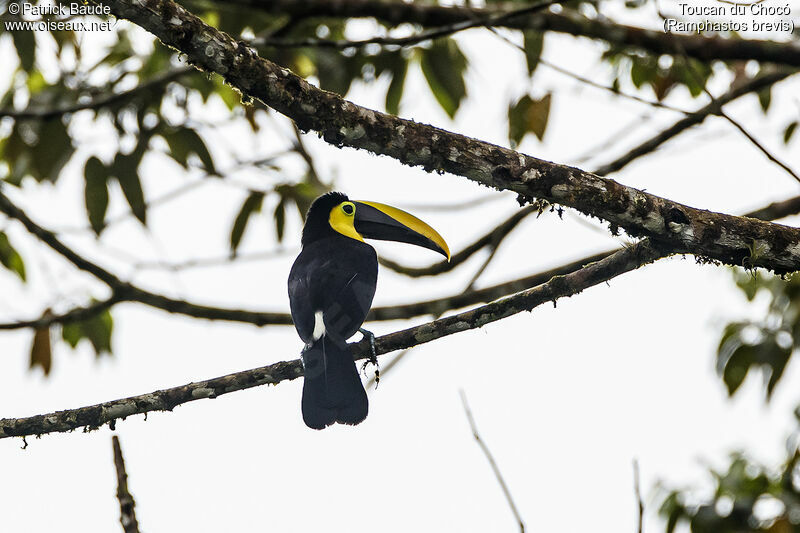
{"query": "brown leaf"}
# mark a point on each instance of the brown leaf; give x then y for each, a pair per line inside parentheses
(41, 351)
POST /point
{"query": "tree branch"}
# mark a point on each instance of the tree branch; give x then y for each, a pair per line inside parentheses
(127, 505)
(693, 119)
(435, 307)
(489, 457)
(396, 12)
(488, 21)
(94, 416)
(493, 237)
(99, 102)
(680, 228)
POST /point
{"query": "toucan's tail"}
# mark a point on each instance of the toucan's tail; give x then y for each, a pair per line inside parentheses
(332, 389)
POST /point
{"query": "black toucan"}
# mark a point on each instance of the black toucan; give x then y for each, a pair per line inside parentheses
(331, 286)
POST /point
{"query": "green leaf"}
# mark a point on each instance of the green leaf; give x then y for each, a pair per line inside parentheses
(738, 365)
(71, 333)
(184, 141)
(335, 70)
(765, 98)
(693, 75)
(125, 170)
(25, 42)
(10, 258)
(252, 204)
(789, 131)
(199, 148)
(280, 219)
(52, 151)
(528, 115)
(773, 359)
(395, 91)
(533, 44)
(96, 193)
(229, 96)
(643, 70)
(96, 329)
(443, 65)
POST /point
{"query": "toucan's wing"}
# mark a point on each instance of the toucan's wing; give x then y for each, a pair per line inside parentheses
(337, 280)
(300, 305)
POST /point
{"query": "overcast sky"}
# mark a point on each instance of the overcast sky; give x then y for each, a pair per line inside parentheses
(565, 397)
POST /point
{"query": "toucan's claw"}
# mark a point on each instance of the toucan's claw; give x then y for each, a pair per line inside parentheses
(373, 356)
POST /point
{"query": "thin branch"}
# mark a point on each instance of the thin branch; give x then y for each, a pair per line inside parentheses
(77, 314)
(612, 90)
(637, 490)
(92, 417)
(204, 262)
(698, 79)
(712, 108)
(478, 273)
(99, 102)
(777, 210)
(435, 307)
(395, 12)
(127, 505)
(455, 206)
(300, 148)
(492, 238)
(492, 462)
(760, 146)
(587, 81)
(123, 291)
(436, 33)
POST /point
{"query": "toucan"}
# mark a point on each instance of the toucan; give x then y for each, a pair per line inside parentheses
(331, 286)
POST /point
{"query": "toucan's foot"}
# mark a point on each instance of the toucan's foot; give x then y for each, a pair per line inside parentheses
(373, 355)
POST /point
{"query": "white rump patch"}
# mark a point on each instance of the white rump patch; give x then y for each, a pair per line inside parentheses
(319, 326)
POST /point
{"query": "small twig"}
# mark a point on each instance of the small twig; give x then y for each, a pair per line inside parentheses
(712, 108)
(638, 492)
(492, 462)
(720, 112)
(127, 505)
(203, 262)
(492, 252)
(300, 148)
(455, 206)
(492, 237)
(587, 81)
(758, 145)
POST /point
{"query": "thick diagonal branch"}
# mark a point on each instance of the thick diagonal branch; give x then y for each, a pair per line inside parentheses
(94, 416)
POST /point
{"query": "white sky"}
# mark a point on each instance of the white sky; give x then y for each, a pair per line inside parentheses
(565, 398)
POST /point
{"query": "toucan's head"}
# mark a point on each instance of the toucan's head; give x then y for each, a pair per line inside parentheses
(333, 213)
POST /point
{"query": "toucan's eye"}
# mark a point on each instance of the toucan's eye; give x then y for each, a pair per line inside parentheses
(348, 208)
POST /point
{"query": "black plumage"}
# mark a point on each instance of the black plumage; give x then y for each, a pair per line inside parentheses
(331, 286)
(335, 275)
